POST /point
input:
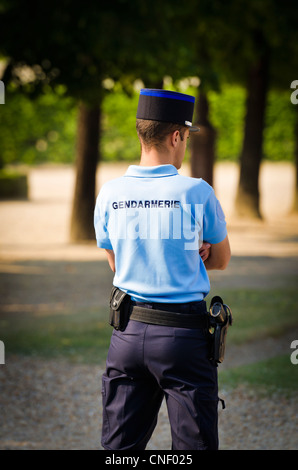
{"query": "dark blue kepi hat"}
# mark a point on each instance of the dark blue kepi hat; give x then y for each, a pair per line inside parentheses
(166, 106)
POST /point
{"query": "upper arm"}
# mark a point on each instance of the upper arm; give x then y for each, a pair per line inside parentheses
(214, 223)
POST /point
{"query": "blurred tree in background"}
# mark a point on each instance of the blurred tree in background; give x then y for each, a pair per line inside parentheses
(275, 43)
(65, 58)
(78, 47)
(253, 44)
(62, 43)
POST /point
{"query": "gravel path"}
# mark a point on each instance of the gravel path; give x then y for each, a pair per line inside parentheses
(56, 405)
(53, 404)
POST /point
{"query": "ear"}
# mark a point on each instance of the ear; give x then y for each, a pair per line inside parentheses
(175, 138)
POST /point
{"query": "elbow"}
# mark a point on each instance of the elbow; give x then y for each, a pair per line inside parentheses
(224, 263)
(112, 265)
(223, 266)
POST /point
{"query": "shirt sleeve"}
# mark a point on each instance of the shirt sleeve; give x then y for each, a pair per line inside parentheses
(101, 224)
(214, 223)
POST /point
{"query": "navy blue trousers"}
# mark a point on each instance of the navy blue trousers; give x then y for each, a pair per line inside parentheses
(146, 363)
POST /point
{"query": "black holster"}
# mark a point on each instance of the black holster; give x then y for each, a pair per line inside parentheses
(220, 318)
(119, 309)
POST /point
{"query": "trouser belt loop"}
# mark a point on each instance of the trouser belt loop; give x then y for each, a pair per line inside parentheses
(164, 318)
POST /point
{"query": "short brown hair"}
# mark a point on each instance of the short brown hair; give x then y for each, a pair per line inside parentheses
(154, 133)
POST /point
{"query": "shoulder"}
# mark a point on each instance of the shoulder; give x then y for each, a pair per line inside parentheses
(195, 182)
(197, 186)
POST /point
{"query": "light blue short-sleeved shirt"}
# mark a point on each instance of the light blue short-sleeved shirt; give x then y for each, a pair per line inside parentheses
(155, 221)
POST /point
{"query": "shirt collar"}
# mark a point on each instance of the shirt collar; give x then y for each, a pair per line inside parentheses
(151, 171)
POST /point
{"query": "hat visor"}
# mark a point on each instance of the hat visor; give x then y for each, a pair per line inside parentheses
(193, 128)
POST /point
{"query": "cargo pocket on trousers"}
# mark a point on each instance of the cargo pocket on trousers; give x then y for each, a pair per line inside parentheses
(105, 419)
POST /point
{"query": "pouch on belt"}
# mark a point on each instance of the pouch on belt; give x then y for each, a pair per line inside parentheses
(119, 309)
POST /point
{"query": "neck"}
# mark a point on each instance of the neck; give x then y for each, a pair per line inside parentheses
(152, 157)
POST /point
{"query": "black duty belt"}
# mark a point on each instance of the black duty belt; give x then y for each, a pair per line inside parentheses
(165, 318)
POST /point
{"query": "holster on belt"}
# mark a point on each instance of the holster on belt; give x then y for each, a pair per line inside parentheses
(220, 318)
(119, 309)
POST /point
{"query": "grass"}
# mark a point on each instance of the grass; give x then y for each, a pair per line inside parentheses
(80, 337)
(272, 375)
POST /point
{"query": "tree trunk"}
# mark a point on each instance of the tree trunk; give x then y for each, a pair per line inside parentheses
(202, 144)
(295, 205)
(87, 157)
(248, 196)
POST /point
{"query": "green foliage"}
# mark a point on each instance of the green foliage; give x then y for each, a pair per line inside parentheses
(79, 47)
(80, 337)
(36, 131)
(227, 116)
(279, 138)
(227, 112)
(44, 129)
(119, 139)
